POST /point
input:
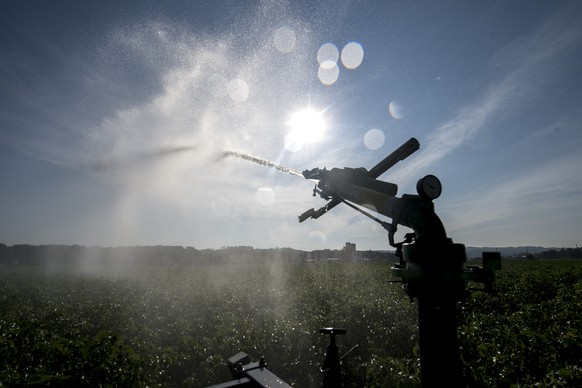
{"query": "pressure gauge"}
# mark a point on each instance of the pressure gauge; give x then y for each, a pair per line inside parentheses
(429, 187)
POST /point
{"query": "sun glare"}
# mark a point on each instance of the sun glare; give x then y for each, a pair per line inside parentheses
(307, 126)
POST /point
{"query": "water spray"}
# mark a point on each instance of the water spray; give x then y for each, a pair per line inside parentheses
(115, 162)
(262, 162)
(112, 163)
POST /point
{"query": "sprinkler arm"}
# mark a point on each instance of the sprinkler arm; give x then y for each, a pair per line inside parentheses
(360, 186)
(401, 153)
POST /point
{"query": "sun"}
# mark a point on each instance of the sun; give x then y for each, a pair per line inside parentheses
(307, 126)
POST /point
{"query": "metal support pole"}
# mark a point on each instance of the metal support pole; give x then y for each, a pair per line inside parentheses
(331, 368)
(439, 354)
(437, 286)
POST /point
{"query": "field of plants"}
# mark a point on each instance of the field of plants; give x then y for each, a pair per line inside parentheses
(175, 325)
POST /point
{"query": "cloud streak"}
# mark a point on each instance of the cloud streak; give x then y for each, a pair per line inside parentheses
(532, 63)
(549, 196)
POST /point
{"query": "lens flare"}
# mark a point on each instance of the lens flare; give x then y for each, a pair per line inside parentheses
(374, 139)
(395, 110)
(317, 237)
(352, 55)
(327, 52)
(265, 196)
(328, 73)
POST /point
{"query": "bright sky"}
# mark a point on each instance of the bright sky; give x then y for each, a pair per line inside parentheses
(115, 118)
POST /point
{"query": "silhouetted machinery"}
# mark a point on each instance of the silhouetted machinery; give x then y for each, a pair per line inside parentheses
(431, 268)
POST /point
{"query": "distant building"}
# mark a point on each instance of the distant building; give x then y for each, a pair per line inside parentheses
(350, 251)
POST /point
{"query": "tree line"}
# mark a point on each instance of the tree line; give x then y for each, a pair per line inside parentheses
(70, 255)
(563, 253)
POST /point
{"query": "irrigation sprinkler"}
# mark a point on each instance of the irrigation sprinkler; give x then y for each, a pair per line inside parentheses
(431, 267)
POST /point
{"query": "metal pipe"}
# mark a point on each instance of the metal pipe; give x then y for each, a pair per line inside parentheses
(409, 210)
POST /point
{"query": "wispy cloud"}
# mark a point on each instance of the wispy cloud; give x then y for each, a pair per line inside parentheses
(540, 196)
(531, 62)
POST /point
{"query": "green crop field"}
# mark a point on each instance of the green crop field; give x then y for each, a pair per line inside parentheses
(175, 325)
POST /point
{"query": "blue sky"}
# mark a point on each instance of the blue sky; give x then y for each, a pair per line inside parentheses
(115, 117)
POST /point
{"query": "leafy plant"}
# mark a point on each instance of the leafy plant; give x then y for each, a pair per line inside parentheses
(176, 325)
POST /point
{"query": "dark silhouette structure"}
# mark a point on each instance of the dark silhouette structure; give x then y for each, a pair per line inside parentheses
(431, 268)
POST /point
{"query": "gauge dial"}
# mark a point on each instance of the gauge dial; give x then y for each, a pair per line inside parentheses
(429, 187)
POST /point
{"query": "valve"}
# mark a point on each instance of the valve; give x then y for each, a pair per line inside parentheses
(331, 367)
